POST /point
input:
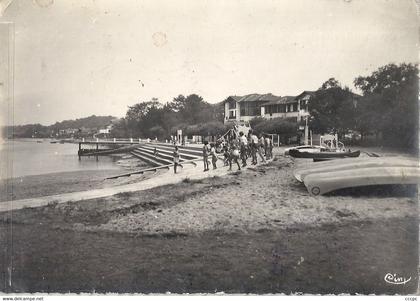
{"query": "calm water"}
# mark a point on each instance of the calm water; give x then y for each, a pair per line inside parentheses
(32, 158)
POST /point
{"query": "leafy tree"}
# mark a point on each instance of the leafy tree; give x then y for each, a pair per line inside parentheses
(92, 122)
(140, 116)
(279, 126)
(254, 122)
(158, 132)
(212, 128)
(170, 118)
(332, 109)
(195, 110)
(390, 104)
(331, 83)
(119, 130)
(218, 111)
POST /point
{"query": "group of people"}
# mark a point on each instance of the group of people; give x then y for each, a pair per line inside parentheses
(234, 150)
(239, 149)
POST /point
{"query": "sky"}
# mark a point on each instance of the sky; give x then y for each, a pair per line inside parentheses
(76, 58)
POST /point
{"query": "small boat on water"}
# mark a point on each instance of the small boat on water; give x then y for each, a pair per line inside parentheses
(323, 154)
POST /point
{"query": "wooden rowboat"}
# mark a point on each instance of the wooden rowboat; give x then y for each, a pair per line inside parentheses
(328, 154)
(321, 183)
(355, 164)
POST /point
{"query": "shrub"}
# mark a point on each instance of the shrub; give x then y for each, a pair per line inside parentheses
(277, 126)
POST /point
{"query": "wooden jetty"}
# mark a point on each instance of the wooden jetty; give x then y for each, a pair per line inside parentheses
(158, 155)
(96, 147)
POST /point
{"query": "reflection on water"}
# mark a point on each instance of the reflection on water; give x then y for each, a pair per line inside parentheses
(29, 157)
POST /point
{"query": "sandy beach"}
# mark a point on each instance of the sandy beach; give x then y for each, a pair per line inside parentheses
(256, 231)
(259, 198)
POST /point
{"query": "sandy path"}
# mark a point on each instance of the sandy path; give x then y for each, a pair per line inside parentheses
(189, 171)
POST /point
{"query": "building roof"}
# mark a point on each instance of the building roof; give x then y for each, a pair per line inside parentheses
(268, 97)
(254, 97)
(234, 97)
(311, 93)
(251, 97)
(282, 100)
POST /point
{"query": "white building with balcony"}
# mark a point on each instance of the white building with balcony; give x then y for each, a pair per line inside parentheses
(241, 109)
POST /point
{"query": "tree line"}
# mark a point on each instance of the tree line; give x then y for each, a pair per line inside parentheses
(387, 111)
(189, 113)
(83, 126)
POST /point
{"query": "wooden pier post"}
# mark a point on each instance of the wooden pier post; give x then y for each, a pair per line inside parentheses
(80, 150)
(97, 148)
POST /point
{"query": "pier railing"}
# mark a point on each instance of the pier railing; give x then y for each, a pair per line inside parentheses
(114, 140)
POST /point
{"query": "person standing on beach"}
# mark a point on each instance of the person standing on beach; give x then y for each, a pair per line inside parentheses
(234, 156)
(260, 147)
(213, 155)
(244, 145)
(253, 144)
(270, 147)
(261, 142)
(267, 147)
(206, 156)
(176, 158)
(226, 155)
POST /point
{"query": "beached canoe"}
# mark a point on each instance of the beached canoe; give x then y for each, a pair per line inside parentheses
(326, 154)
(306, 148)
(321, 183)
(356, 163)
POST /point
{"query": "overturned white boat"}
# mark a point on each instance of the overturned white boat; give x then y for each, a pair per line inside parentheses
(323, 177)
(354, 163)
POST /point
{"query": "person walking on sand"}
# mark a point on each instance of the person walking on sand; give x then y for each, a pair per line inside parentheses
(234, 156)
(267, 147)
(226, 155)
(244, 145)
(176, 158)
(253, 144)
(213, 155)
(262, 143)
(206, 156)
(260, 147)
(270, 147)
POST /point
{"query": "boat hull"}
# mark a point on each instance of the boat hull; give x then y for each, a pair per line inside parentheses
(321, 183)
(299, 154)
(355, 164)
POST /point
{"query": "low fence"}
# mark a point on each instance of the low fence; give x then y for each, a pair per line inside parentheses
(115, 140)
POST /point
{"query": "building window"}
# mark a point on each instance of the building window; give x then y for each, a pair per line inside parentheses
(249, 109)
(232, 105)
(278, 108)
(232, 114)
